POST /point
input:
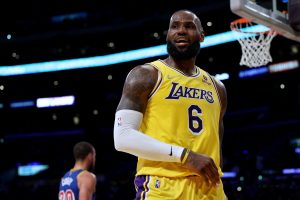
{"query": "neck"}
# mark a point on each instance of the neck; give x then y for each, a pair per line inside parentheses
(186, 66)
(80, 165)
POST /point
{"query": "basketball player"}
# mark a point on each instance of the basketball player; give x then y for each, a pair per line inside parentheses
(79, 183)
(171, 117)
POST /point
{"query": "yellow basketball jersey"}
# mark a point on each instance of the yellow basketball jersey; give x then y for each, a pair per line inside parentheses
(184, 111)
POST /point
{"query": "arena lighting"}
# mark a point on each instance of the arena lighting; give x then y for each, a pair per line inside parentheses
(22, 104)
(55, 101)
(253, 72)
(223, 76)
(297, 150)
(273, 68)
(283, 66)
(110, 59)
(71, 17)
(229, 175)
(291, 171)
(31, 169)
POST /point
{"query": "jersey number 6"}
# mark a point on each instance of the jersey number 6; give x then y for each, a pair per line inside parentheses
(195, 122)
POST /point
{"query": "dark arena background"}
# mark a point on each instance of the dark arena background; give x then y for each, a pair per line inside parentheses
(261, 145)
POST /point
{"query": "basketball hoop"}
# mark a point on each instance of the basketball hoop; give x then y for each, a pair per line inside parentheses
(255, 45)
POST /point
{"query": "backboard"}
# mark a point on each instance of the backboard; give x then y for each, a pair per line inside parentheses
(271, 13)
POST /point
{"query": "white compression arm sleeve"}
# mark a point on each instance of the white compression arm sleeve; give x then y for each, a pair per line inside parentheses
(128, 139)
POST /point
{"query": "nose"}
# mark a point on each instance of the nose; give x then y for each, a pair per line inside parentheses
(181, 30)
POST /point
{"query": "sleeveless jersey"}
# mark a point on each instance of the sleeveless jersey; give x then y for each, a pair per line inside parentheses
(184, 111)
(68, 189)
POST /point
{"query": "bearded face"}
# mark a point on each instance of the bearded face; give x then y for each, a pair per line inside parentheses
(183, 53)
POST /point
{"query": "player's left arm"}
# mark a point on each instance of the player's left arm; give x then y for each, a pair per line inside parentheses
(86, 185)
(223, 98)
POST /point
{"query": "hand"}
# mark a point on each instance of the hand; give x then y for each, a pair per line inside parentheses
(204, 166)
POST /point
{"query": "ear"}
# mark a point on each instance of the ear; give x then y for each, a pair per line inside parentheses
(201, 37)
(90, 156)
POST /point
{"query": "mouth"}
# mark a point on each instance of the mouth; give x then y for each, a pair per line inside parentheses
(181, 42)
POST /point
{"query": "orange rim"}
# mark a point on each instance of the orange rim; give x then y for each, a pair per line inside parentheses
(233, 26)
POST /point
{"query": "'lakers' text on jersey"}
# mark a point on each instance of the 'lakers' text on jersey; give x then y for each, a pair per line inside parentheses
(184, 111)
(179, 91)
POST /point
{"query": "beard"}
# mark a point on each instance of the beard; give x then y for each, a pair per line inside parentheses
(186, 53)
(92, 167)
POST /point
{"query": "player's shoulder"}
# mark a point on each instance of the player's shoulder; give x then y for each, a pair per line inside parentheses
(143, 69)
(86, 175)
(220, 87)
(86, 179)
(219, 84)
(142, 74)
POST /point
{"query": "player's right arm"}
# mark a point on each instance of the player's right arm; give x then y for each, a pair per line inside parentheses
(127, 137)
(138, 85)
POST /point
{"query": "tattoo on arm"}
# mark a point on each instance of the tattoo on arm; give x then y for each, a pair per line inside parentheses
(138, 85)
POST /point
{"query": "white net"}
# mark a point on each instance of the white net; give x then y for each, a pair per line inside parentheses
(255, 45)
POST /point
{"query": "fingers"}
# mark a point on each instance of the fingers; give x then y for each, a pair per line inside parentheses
(206, 179)
(204, 166)
(210, 172)
(211, 175)
(215, 178)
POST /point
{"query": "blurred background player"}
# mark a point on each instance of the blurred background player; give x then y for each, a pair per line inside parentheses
(171, 117)
(79, 183)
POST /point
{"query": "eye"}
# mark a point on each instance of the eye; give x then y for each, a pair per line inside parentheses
(174, 26)
(189, 26)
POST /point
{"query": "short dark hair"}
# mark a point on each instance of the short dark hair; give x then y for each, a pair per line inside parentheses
(82, 149)
(198, 21)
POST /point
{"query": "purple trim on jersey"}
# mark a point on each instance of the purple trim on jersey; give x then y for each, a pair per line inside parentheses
(216, 88)
(141, 183)
(177, 70)
(156, 88)
(157, 85)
